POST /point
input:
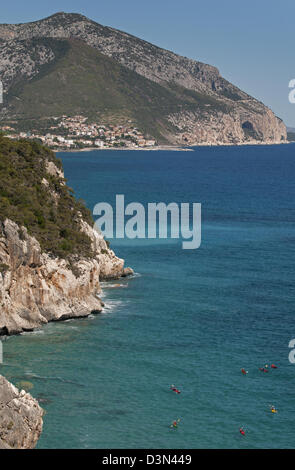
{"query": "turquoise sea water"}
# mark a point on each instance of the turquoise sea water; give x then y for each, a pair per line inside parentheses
(189, 318)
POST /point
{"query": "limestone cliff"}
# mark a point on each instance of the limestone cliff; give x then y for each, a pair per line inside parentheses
(36, 288)
(20, 418)
(233, 128)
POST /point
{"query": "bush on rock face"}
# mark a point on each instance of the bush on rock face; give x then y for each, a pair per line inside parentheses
(40, 200)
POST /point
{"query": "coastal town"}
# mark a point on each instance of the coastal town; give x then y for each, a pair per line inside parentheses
(77, 133)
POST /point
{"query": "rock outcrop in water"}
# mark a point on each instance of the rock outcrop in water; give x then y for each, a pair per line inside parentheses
(20, 418)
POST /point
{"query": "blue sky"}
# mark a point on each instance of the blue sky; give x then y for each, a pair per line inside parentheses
(251, 42)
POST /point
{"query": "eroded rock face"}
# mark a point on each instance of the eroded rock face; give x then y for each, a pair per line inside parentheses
(233, 128)
(20, 418)
(36, 288)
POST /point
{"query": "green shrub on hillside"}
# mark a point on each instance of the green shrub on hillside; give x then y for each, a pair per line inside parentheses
(49, 210)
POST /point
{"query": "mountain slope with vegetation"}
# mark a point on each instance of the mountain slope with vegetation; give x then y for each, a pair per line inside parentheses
(81, 80)
(34, 196)
(170, 97)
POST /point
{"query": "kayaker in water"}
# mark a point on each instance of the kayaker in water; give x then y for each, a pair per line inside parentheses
(242, 431)
(244, 371)
(174, 424)
(174, 389)
(273, 366)
(273, 409)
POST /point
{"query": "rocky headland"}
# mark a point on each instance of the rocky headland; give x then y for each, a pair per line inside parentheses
(37, 288)
(51, 258)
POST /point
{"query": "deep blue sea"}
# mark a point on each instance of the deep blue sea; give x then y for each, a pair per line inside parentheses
(192, 318)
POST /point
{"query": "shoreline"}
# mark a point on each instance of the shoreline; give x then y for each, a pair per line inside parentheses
(146, 149)
(4, 336)
(171, 148)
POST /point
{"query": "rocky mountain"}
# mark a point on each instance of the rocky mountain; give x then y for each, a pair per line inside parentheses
(20, 418)
(51, 259)
(95, 85)
(169, 97)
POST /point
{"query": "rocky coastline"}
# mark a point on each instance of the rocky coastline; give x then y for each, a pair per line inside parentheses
(44, 276)
(36, 288)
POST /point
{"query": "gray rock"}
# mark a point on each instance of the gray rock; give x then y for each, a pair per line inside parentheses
(20, 418)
